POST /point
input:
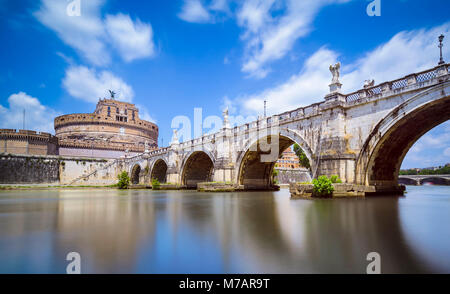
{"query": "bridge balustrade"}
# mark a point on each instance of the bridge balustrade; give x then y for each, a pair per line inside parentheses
(397, 85)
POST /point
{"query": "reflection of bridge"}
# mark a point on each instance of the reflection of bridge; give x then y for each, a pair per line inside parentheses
(362, 137)
(422, 179)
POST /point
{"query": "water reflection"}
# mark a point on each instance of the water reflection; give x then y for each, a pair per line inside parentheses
(187, 232)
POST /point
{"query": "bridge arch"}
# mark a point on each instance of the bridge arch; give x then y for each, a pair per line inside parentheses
(408, 181)
(255, 165)
(135, 174)
(197, 167)
(383, 152)
(159, 170)
(435, 180)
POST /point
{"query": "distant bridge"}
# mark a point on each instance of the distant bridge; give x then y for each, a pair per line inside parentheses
(362, 137)
(418, 180)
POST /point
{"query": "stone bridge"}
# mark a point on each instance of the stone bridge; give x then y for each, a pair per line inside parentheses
(362, 137)
(418, 180)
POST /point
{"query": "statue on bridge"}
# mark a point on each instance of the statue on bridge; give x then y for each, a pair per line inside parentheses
(226, 121)
(335, 72)
(175, 137)
(335, 84)
(369, 83)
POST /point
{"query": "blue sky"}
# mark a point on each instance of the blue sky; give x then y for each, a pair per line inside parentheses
(169, 57)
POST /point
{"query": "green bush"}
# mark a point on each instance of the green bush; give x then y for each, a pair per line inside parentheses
(323, 187)
(156, 184)
(124, 180)
(335, 180)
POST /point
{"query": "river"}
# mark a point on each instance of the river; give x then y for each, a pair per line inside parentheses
(144, 231)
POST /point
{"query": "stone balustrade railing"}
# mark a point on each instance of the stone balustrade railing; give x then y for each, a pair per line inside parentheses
(399, 85)
(117, 161)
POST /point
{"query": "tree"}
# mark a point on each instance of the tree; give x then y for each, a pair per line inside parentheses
(124, 180)
(323, 187)
(156, 185)
(303, 159)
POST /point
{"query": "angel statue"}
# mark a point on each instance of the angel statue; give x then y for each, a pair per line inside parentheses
(225, 112)
(175, 137)
(335, 72)
(112, 93)
(226, 122)
(369, 83)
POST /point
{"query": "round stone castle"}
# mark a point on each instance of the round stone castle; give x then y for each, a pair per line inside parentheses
(112, 131)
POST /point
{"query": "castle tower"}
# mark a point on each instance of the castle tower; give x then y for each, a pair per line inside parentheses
(113, 128)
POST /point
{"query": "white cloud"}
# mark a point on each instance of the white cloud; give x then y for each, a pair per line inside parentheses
(406, 52)
(431, 149)
(133, 40)
(271, 27)
(220, 6)
(307, 87)
(37, 116)
(205, 11)
(89, 34)
(89, 85)
(432, 141)
(84, 33)
(145, 114)
(401, 55)
(254, 15)
(270, 37)
(194, 11)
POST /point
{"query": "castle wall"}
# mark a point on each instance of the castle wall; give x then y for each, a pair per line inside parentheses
(27, 142)
(94, 153)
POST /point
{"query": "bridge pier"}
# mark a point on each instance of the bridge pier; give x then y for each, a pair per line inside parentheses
(223, 174)
(340, 165)
(173, 178)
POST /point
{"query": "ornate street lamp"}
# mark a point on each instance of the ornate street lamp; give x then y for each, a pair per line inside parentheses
(441, 38)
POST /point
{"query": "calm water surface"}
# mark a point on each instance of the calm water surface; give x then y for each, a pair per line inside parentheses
(251, 232)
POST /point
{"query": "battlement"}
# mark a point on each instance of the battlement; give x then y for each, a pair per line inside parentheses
(27, 135)
(89, 118)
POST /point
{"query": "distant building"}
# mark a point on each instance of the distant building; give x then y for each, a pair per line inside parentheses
(113, 130)
(288, 160)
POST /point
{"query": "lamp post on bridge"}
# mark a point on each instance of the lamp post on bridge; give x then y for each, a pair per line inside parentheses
(441, 60)
(265, 108)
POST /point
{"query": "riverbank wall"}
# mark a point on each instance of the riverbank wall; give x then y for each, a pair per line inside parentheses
(50, 169)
